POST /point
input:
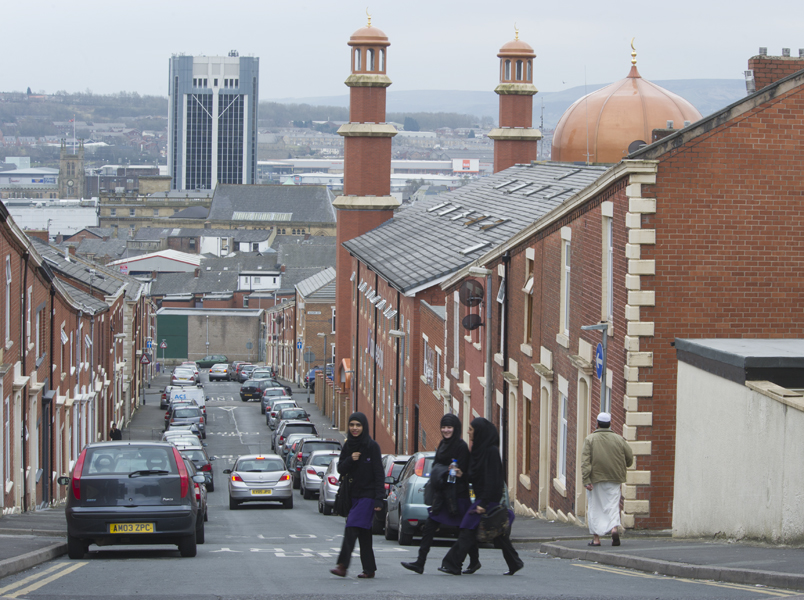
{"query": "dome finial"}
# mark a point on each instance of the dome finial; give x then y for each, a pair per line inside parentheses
(516, 32)
(369, 17)
(633, 52)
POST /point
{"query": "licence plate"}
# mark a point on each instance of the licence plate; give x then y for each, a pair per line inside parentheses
(131, 528)
(259, 492)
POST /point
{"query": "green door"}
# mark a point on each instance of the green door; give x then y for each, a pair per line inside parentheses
(173, 330)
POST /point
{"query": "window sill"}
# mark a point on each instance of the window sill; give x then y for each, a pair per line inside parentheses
(498, 358)
(478, 346)
(524, 480)
(526, 349)
(9, 343)
(559, 487)
(562, 339)
(454, 373)
(31, 346)
(468, 338)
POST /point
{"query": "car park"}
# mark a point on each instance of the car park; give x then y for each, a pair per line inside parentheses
(271, 415)
(270, 395)
(313, 472)
(218, 372)
(328, 488)
(252, 389)
(288, 428)
(303, 451)
(258, 477)
(131, 493)
(202, 462)
(209, 361)
(392, 466)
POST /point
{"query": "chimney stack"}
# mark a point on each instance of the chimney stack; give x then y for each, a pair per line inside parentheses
(767, 70)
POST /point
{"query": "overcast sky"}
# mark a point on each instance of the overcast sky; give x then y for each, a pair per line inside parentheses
(110, 46)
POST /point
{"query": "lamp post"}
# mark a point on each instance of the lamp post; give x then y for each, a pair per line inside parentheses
(324, 391)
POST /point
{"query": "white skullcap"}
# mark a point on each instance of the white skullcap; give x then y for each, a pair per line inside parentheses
(604, 417)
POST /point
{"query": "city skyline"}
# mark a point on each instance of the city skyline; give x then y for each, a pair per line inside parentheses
(433, 47)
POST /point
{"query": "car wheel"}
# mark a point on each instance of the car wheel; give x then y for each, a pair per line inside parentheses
(204, 434)
(405, 539)
(206, 515)
(262, 410)
(320, 505)
(76, 548)
(233, 503)
(296, 483)
(307, 494)
(377, 526)
(390, 534)
(187, 546)
(211, 486)
(199, 533)
(287, 503)
(327, 509)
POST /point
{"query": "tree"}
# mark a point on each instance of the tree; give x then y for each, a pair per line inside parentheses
(29, 91)
(471, 134)
(411, 124)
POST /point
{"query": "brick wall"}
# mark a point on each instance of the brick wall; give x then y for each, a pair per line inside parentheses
(770, 69)
(431, 403)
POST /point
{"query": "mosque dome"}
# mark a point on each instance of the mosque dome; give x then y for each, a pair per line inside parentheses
(616, 120)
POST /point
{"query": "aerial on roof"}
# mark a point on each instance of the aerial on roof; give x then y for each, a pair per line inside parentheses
(272, 203)
(437, 236)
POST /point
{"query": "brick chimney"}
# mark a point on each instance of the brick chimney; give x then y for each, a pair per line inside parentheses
(515, 140)
(767, 70)
(71, 249)
(38, 233)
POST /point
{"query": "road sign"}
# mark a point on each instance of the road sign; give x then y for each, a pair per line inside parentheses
(309, 356)
(599, 361)
(249, 345)
(145, 359)
(299, 345)
(149, 344)
(163, 345)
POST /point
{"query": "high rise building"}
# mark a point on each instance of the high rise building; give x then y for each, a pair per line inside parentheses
(212, 120)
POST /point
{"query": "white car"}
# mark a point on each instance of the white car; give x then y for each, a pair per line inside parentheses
(312, 472)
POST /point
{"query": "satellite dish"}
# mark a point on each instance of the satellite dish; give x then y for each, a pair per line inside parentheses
(472, 322)
(635, 145)
(471, 293)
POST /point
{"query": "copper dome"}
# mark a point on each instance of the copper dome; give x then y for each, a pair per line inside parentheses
(516, 48)
(615, 117)
(369, 36)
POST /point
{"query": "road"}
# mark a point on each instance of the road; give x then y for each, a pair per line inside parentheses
(263, 550)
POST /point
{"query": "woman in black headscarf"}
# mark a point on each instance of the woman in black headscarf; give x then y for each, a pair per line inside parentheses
(486, 476)
(360, 463)
(451, 500)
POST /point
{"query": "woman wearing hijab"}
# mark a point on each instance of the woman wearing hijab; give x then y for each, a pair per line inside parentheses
(485, 475)
(447, 511)
(361, 463)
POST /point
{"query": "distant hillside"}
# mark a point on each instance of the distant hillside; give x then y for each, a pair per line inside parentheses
(707, 95)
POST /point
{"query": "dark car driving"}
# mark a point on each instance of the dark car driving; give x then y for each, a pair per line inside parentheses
(131, 493)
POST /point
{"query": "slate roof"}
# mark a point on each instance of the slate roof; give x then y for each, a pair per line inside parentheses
(437, 236)
(95, 306)
(304, 258)
(272, 203)
(320, 286)
(191, 212)
(113, 248)
(239, 235)
(241, 261)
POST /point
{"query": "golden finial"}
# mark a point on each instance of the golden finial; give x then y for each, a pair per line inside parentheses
(516, 32)
(633, 52)
(369, 17)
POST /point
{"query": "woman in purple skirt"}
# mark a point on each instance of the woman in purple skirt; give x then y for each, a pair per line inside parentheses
(360, 463)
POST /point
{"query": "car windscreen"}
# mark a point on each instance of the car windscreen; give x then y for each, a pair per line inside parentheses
(322, 460)
(186, 413)
(294, 413)
(397, 469)
(128, 459)
(274, 392)
(279, 406)
(313, 446)
(193, 454)
(259, 465)
(300, 428)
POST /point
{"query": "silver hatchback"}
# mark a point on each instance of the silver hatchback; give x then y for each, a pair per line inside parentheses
(328, 488)
(313, 472)
(259, 478)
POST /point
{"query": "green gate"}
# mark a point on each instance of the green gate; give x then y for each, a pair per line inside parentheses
(173, 330)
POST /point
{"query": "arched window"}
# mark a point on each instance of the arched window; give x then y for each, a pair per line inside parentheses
(382, 60)
(357, 59)
(507, 70)
(519, 70)
(370, 59)
(530, 70)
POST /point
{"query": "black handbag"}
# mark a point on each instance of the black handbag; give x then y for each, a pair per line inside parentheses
(493, 524)
(343, 499)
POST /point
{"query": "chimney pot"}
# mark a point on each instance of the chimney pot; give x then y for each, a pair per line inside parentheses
(197, 271)
(72, 250)
(786, 52)
(669, 124)
(801, 52)
(763, 50)
(686, 123)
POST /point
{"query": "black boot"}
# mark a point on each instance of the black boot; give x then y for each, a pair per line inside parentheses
(416, 567)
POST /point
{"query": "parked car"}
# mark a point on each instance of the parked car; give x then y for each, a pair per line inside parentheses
(303, 452)
(392, 466)
(195, 395)
(182, 376)
(188, 415)
(270, 415)
(271, 394)
(211, 360)
(202, 462)
(164, 400)
(313, 472)
(173, 404)
(131, 493)
(289, 427)
(201, 498)
(258, 477)
(252, 389)
(243, 371)
(180, 437)
(189, 428)
(232, 369)
(292, 413)
(276, 382)
(328, 488)
(218, 372)
(188, 364)
(309, 379)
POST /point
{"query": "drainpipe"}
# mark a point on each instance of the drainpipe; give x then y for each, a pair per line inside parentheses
(24, 355)
(506, 266)
(374, 377)
(399, 358)
(356, 366)
(51, 360)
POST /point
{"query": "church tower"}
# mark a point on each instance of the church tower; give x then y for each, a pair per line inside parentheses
(515, 141)
(72, 182)
(366, 202)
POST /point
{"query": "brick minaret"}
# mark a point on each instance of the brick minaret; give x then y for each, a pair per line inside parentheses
(366, 202)
(515, 141)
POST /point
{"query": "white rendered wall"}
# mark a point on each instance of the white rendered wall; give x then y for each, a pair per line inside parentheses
(738, 467)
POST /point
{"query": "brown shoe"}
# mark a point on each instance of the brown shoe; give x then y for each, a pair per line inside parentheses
(339, 570)
(366, 575)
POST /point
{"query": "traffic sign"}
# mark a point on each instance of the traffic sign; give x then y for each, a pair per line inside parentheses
(309, 356)
(149, 344)
(299, 345)
(163, 345)
(145, 359)
(599, 361)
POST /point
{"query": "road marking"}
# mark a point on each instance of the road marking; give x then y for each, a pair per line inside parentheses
(3, 590)
(45, 581)
(723, 584)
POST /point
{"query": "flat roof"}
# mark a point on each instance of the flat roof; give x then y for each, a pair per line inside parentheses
(748, 353)
(219, 312)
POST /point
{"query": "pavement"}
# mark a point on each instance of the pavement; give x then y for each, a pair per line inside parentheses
(32, 538)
